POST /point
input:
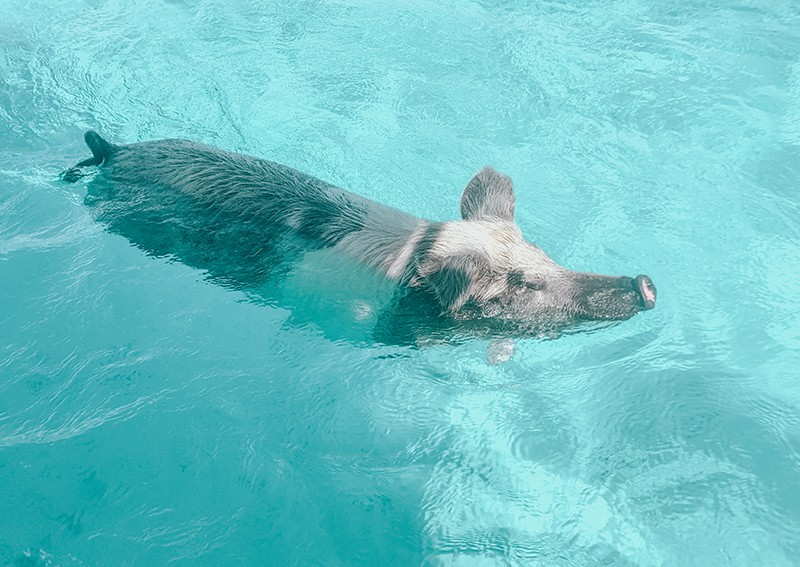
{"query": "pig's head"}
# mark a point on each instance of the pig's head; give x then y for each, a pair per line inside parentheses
(482, 267)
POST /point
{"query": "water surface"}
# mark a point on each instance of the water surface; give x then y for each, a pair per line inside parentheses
(149, 416)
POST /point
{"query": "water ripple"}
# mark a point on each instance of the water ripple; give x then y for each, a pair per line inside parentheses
(146, 413)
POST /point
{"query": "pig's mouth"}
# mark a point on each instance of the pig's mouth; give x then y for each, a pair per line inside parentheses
(646, 290)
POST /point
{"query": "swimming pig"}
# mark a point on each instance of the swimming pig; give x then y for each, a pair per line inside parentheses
(240, 217)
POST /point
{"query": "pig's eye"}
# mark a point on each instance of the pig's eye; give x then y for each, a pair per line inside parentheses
(536, 285)
(516, 278)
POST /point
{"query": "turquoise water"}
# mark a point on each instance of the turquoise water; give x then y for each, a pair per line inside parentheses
(149, 416)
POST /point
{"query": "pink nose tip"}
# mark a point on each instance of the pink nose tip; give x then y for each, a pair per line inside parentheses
(647, 289)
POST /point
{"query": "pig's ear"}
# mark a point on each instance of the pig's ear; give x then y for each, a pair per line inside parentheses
(488, 196)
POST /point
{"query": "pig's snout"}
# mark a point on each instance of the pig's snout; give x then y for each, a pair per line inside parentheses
(646, 289)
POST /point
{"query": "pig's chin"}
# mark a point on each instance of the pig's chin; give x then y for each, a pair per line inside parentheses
(619, 309)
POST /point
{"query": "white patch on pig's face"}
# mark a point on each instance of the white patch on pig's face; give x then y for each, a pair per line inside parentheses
(485, 260)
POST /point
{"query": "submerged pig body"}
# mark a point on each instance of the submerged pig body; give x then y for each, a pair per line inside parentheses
(241, 217)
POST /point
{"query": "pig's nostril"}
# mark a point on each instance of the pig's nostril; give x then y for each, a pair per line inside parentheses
(647, 290)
